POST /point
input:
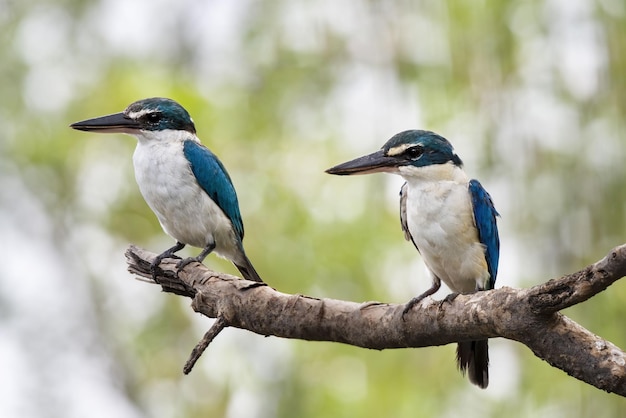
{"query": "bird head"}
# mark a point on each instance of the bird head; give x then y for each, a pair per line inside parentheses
(405, 153)
(142, 118)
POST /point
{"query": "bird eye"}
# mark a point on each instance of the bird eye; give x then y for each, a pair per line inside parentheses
(153, 117)
(415, 152)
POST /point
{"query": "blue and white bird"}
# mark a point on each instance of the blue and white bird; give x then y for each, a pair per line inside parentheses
(449, 218)
(183, 182)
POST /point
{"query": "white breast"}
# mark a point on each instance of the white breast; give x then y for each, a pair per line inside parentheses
(185, 211)
(441, 222)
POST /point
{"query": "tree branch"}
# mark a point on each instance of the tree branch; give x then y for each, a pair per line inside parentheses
(215, 329)
(529, 316)
(569, 290)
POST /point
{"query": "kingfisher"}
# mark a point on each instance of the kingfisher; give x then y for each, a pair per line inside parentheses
(449, 218)
(183, 182)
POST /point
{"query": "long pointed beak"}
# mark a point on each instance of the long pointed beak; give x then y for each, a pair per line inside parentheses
(376, 162)
(115, 123)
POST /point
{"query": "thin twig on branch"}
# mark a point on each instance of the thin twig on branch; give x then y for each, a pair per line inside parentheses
(216, 328)
(529, 316)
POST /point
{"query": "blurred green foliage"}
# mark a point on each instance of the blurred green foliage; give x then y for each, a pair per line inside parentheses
(530, 93)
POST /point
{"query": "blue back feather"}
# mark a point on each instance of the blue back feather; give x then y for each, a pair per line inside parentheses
(485, 217)
(213, 178)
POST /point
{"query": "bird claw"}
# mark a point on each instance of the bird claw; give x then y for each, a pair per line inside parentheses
(410, 304)
(153, 268)
(157, 262)
(184, 262)
(448, 299)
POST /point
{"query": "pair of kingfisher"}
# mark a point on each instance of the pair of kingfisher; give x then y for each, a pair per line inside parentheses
(449, 218)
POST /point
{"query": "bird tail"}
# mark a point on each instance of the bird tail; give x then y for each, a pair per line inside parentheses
(247, 270)
(473, 357)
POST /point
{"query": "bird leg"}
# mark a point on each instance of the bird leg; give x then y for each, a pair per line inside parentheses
(417, 299)
(165, 254)
(206, 251)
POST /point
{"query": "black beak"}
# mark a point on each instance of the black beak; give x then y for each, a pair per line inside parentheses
(373, 163)
(115, 123)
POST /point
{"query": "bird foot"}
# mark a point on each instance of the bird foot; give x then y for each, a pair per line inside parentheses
(184, 262)
(410, 304)
(153, 268)
(157, 262)
(449, 298)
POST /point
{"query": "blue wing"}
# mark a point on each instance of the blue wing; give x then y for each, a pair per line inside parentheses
(485, 217)
(213, 178)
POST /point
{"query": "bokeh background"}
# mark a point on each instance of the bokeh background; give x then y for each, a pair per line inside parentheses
(531, 93)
